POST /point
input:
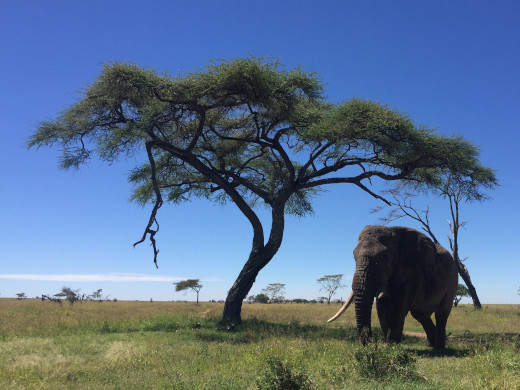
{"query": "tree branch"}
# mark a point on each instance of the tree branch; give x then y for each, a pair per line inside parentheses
(157, 205)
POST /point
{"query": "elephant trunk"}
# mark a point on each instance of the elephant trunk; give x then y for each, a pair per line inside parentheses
(365, 286)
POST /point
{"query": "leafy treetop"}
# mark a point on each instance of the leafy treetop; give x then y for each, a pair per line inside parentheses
(192, 284)
(244, 129)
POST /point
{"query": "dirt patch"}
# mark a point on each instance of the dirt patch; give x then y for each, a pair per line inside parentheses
(415, 334)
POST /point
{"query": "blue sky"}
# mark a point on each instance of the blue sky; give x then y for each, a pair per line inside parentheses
(450, 65)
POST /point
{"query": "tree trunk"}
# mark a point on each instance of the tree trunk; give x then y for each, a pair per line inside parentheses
(463, 271)
(258, 259)
(242, 286)
(464, 274)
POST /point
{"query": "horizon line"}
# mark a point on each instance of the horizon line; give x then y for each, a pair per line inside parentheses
(110, 277)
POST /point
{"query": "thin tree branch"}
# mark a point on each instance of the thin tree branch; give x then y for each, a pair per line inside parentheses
(157, 205)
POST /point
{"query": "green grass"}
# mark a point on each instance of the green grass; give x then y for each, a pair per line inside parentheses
(155, 345)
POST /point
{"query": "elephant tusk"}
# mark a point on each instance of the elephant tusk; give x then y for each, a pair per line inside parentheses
(381, 295)
(343, 308)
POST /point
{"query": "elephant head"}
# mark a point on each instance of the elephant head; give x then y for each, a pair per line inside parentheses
(376, 255)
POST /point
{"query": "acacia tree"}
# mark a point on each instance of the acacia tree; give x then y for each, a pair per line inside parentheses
(462, 291)
(191, 284)
(69, 294)
(21, 296)
(330, 283)
(274, 291)
(246, 131)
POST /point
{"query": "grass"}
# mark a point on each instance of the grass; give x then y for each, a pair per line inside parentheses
(156, 345)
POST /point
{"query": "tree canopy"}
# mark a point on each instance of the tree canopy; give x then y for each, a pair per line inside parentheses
(248, 131)
(274, 292)
(330, 283)
(191, 284)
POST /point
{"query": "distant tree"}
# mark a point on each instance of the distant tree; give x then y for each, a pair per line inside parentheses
(96, 295)
(69, 294)
(245, 131)
(274, 291)
(462, 291)
(261, 298)
(330, 283)
(191, 284)
(21, 296)
(250, 299)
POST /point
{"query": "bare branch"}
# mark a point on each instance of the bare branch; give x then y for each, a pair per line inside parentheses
(372, 193)
(157, 205)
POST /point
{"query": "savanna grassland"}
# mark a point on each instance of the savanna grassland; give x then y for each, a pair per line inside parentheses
(157, 345)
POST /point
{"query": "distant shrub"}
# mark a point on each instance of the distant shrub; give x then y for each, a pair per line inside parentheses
(280, 376)
(377, 361)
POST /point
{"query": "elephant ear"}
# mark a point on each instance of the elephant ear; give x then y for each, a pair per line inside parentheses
(416, 256)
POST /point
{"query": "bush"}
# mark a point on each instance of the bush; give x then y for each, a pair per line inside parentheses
(280, 376)
(376, 361)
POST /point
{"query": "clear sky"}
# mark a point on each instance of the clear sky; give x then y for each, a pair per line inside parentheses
(452, 65)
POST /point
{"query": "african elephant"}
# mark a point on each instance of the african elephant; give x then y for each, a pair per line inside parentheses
(407, 272)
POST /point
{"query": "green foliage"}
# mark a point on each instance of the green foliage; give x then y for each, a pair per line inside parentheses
(381, 362)
(260, 298)
(280, 376)
(462, 291)
(239, 120)
(192, 284)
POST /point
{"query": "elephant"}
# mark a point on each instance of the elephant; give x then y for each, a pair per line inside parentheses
(406, 272)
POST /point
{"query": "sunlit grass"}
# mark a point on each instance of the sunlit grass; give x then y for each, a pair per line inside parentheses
(156, 345)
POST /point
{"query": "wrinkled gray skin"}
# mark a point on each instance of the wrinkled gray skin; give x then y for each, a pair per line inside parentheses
(407, 272)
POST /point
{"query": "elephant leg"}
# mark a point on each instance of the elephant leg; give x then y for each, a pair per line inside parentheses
(395, 333)
(402, 297)
(441, 318)
(397, 315)
(428, 325)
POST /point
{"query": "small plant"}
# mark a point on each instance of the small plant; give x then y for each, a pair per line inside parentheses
(377, 361)
(280, 376)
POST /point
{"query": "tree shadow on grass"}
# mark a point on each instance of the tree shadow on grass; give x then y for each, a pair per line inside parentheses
(255, 330)
(468, 344)
(249, 331)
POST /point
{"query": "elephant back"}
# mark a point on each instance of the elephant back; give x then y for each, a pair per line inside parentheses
(417, 254)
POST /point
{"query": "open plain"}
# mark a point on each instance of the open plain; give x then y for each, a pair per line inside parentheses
(158, 345)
